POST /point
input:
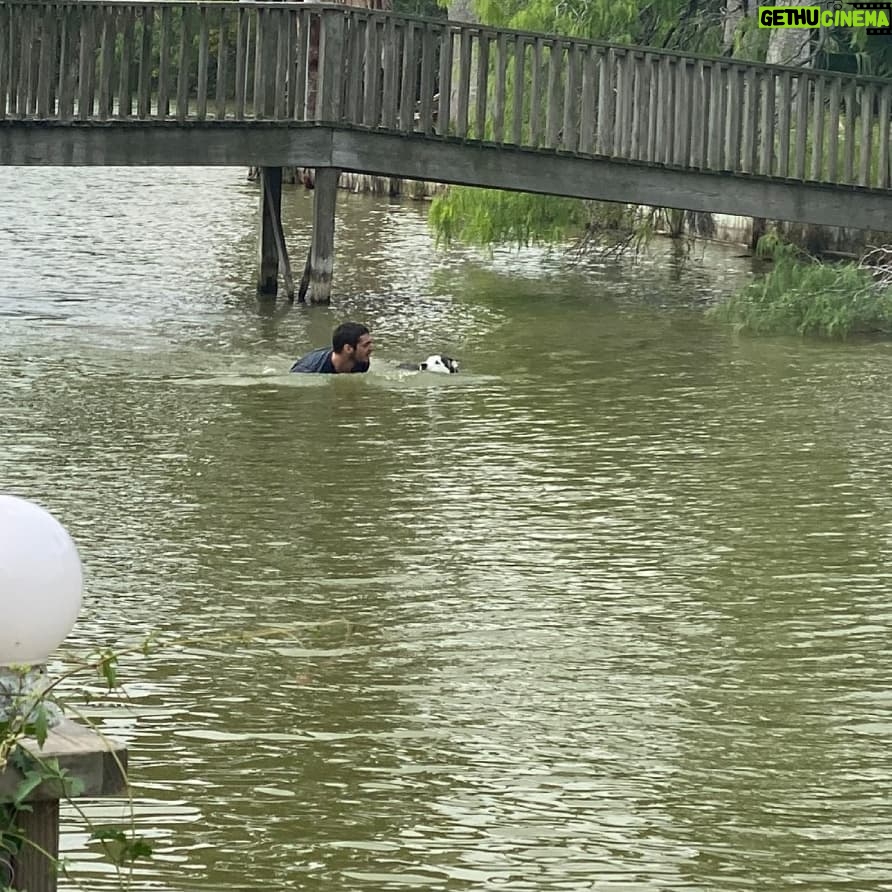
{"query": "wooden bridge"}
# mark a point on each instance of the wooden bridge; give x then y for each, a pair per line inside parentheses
(341, 88)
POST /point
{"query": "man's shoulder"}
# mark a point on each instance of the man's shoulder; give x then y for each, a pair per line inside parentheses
(315, 361)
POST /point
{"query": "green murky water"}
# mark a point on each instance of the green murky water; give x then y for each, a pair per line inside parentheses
(609, 610)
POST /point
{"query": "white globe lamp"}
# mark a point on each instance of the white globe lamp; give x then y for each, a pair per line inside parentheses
(41, 585)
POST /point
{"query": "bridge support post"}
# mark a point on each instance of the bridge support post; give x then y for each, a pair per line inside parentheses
(322, 249)
(270, 224)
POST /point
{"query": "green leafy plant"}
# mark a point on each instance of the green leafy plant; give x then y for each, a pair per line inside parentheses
(27, 718)
(800, 295)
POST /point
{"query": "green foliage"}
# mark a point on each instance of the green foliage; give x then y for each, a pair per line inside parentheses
(685, 24)
(805, 297)
(29, 716)
(431, 9)
(488, 216)
(750, 41)
(121, 849)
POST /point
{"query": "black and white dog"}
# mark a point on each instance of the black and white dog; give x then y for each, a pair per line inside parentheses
(443, 365)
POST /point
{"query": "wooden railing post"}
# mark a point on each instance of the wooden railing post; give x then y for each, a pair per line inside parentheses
(331, 66)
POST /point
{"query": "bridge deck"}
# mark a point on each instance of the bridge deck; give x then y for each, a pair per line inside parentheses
(221, 82)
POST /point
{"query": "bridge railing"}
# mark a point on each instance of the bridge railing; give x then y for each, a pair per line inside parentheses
(303, 62)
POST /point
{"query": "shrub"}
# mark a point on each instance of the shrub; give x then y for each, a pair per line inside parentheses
(801, 295)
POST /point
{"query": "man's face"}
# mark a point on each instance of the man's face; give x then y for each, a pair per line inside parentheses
(363, 349)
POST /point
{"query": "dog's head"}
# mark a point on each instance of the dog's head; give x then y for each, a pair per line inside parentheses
(445, 365)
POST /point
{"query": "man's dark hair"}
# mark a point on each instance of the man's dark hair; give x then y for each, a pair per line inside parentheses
(347, 333)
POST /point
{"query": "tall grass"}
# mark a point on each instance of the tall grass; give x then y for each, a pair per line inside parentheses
(806, 297)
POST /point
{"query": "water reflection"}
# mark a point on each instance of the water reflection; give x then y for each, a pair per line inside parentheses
(605, 611)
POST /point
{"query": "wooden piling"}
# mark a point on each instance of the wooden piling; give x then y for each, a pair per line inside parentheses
(322, 250)
(270, 220)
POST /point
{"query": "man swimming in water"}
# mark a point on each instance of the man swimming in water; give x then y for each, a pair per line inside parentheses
(351, 347)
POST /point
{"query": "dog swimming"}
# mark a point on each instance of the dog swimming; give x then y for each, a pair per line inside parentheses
(437, 362)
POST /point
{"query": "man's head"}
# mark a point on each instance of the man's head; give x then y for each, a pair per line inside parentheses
(352, 342)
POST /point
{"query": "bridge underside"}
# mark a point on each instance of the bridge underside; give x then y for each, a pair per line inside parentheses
(441, 160)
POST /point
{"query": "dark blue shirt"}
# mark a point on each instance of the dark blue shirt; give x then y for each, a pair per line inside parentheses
(320, 361)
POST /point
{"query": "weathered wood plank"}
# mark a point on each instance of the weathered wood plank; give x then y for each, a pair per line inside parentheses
(732, 88)
(222, 53)
(619, 66)
(164, 68)
(331, 66)
(11, 65)
(444, 112)
(499, 89)
(464, 83)
(698, 121)
(802, 97)
(784, 124)
(301, 66)
(766, 127)
(640, 117)
(68, 62)
(716, 122)
(653, 75)
(604, 124)
(750, 117)
(662, 127)
(518, 78)
(624, 106)
(833, 129)
(241, 61)
(372, 68)
(5, 57)
(634, 136)
(482, 91)
(353, 82)
(409, 69)
(884, 178)
(723, 101)
(667, 97)
(868, 96)
(284, 32)
(204, 40)
(184, 58)
(817, 130)
(682, 113)
(570, 125)
(261, 44)
(538, 47)
(25, 49)
(108, 31)
(144, 84)
(392, 54)
(85, 68)
(848, 161)
(125, 90)
(47, 72)
(588, 101)
(5, 13)
(429, 40)
(554, 103)
(34, 63)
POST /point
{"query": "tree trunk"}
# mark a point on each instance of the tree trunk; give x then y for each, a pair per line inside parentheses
(790, 46)
(735, 12)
